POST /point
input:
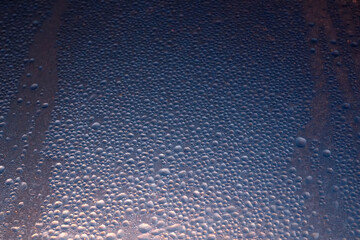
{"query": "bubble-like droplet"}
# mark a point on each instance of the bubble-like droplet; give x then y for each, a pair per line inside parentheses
(300, 142)
(144, 228)
(174, 228)
(335, 53)
(95, 125)
(145, 236)
(120, 233)
(34, 86)
(57, 204)
(100, 204)
(9, 181)
(326, 153)
(63, 236)
(110, 236)
(164, 171)
(315, 235)
(45, 105)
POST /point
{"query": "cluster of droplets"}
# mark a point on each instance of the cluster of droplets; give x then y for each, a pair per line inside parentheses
(166, 128)
(338, 168)
(19, 22)
(167, 138)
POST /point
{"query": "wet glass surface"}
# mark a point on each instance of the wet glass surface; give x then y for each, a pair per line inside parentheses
(180, 120)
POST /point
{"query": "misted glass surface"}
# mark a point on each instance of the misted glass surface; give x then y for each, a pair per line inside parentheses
(190, 120)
